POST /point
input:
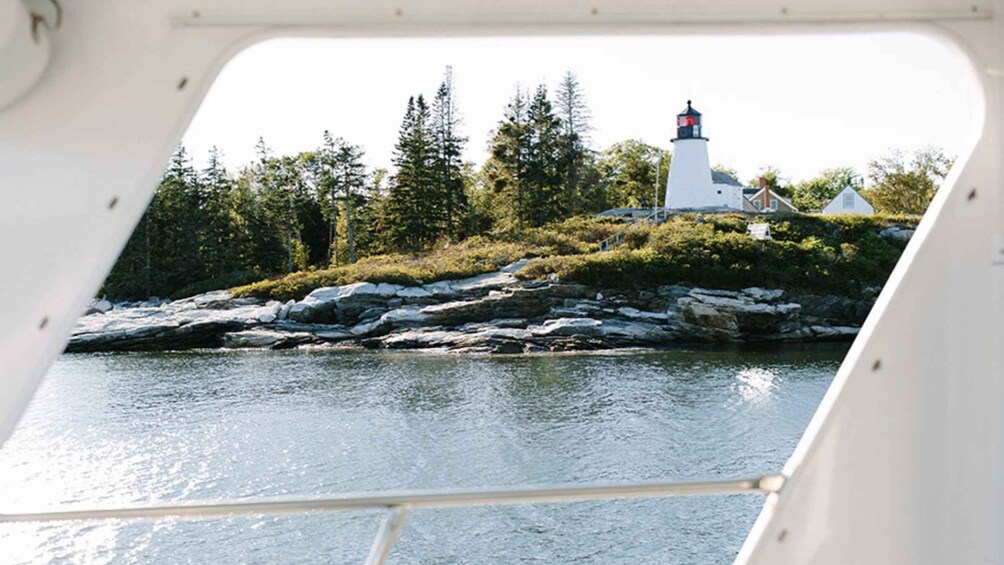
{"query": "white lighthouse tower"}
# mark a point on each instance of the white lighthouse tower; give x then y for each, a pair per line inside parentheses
(690, 184)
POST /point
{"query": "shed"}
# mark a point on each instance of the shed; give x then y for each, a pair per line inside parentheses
(849, 201)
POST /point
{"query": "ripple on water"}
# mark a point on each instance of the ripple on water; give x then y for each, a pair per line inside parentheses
(183, 426)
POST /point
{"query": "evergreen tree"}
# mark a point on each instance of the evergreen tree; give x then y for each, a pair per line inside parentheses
(218, 249)
(544, 168)
(447, 160)
(412, 213)
(506, 172)
(328, 191)
(279, 181)
(176, 222)
(574, 115)
(350, 177)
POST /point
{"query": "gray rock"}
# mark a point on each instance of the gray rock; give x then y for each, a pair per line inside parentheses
(489, 281)
(284, 311)
(834, 332)
(440, 289)
(413, 292)
(673, 291)
(729, 316)
(641, 315)
(334, 333)
(897, 232)
(567, 327)
(763, 295)
(260, 338)
(371, 313)
(98, 306)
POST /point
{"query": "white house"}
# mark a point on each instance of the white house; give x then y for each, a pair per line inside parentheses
(690, 184)
(849, 201)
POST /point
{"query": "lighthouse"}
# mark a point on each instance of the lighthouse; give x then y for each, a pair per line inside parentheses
(690, 184)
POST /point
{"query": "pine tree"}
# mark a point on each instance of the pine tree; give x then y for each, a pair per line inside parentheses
(546, 202)
(218, 238)
(328, 191)
(411, 213)
(350, 177)
(176, 222)
(279, 181)
(506, 172)
(574, 115)
(447, 160)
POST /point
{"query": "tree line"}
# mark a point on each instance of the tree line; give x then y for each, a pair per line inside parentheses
(896, 183)
(214, 228)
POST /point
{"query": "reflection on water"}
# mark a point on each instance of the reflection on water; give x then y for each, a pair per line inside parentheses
(756, 384)
(144, 427)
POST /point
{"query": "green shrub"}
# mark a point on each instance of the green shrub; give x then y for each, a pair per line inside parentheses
(813, 253)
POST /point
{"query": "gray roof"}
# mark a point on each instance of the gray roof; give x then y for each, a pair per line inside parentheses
(689, 111)
(718, 177)
(622, 212)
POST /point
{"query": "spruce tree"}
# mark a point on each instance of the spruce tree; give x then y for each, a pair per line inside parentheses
(350, 178)
(574, 115)
(278, 180)
(506, 172)
(176, 222)
(447, 160)
(218, 239)
(545, 202)
(412, 207)
(328, 192)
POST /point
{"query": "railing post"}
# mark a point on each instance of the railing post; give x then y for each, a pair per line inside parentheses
(390, 529)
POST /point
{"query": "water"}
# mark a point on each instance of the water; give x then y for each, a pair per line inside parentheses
(121, 428)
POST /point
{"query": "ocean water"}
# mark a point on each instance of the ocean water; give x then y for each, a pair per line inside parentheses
(147, 427)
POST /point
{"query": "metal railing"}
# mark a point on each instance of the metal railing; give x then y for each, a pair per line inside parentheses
(401, 504)
(656, 217)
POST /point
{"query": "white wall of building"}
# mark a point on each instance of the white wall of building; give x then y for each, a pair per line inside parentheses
(689, 184)
(848, 202)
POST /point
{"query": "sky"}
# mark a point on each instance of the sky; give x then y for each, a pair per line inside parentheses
(800, 104)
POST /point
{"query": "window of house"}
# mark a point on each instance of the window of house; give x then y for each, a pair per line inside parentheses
(773, 204)
(849, 200)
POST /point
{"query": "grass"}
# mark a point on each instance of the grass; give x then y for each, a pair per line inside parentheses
(471, 257)
(841, 253)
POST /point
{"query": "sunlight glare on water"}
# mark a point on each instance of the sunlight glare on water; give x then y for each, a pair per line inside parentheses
(128, 428)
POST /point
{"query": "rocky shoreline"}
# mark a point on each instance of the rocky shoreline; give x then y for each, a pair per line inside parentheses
(491, 313)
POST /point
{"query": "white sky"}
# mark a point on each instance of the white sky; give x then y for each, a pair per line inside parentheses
(799, 103)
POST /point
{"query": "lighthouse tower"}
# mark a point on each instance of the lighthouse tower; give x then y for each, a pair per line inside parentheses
(690, 184)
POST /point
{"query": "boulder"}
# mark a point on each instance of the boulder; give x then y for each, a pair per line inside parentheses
(284, 311)
(344, 304)
(641, 315)
(413, 292)
(730, 316)
(897, 232)
(763, 295)
(98, 306)
(260, 338)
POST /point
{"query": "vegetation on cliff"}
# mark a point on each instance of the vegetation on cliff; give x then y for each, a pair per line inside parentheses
(844, 254)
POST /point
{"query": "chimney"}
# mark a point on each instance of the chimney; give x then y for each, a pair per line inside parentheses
(763, 183)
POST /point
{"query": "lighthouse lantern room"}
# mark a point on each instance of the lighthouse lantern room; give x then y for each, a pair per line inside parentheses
(688, 124)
